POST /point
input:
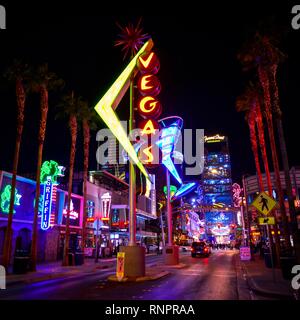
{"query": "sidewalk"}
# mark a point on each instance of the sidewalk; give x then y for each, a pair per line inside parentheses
(55, 270)
(260, 280)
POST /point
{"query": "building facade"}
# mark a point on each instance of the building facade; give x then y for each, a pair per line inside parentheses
(51, 238)
(216, 190)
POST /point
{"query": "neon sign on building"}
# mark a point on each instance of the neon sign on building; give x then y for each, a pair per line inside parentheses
(47, 203)
(5, 199)
(74, 215)
(49, 172)
(149, 106)
(212, 139)
(105, 205)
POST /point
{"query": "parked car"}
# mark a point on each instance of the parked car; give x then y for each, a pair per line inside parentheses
(200, 248)
(185, 248)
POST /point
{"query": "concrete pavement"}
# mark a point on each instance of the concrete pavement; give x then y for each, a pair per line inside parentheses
(261, 280)
(54, 270)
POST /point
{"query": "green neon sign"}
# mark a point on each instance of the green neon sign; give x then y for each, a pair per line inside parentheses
(173, 190)
(50, 168)
(5, 199)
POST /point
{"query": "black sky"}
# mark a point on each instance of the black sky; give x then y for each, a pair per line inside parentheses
(200, 74)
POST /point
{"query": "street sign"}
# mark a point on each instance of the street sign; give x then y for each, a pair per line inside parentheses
(120, 265)
(264, 203)
(245, 253)
(266, 220)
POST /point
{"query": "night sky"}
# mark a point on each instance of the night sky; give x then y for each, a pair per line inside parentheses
(200, 74)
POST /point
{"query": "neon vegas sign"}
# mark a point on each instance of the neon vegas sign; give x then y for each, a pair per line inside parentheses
(105, 107)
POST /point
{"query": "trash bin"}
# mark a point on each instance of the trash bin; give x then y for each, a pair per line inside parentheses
(268, 260)
(71, 259)
(79, 256)
(287, 264)
(20, 265)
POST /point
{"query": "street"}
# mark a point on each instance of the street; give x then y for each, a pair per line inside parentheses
(215, 278)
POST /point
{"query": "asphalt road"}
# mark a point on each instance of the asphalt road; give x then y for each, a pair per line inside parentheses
(213, 278)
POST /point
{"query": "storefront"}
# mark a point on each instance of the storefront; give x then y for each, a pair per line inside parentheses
(50, 236)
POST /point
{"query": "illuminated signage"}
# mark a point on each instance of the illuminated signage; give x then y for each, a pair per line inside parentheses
(167, 142)
(237, 199)
(50, 170)
(47, 201)
(220, 231)
(148, 62)
(149, 127)
(5, 199)
(149, 106)
(184, 189)
(105, 205)
(149, 84)
(173, 190)
(112, 97)
(74, 215)
(212, 139)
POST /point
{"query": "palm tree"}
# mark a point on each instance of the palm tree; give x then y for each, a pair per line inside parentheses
(88, 119)
(243, 104)
(255, 55)
(276, 57)
(19, 74)
(249, 102)
(70, 107)
(43, 81)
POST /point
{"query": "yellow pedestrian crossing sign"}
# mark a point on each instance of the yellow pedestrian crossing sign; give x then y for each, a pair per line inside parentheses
(264, 203)
(266, 220)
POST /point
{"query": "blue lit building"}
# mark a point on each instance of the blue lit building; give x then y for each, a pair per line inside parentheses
(216, 190)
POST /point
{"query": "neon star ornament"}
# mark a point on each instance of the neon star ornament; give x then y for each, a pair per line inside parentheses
(105, 110)
(131, 38)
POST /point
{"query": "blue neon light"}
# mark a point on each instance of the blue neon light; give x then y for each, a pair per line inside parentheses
(184, 189)
(47, 202)
(167, 144)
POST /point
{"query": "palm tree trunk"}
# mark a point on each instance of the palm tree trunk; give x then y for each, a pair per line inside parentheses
(86, 145)
(73, 129)
(285, 161)
(265, 84)
(253, 139)
(20, 93)
(262, 143)
(41, 139)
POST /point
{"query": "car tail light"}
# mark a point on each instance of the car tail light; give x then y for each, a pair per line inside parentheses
(206, 249)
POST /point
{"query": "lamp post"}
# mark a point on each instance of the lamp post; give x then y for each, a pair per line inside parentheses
(169, 210)
(98, 233)
(132, 180)
(247, 212)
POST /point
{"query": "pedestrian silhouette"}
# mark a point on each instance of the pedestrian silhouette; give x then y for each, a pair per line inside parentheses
(264, 202)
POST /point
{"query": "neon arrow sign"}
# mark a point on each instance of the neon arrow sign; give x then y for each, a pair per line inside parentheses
(114, 94)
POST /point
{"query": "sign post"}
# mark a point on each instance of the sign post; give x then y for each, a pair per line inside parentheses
(265, 204)
(245, 253)
(120, 265)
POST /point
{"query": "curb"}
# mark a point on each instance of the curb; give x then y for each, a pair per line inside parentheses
(53, 276)
(138, 279)
(254, 287)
